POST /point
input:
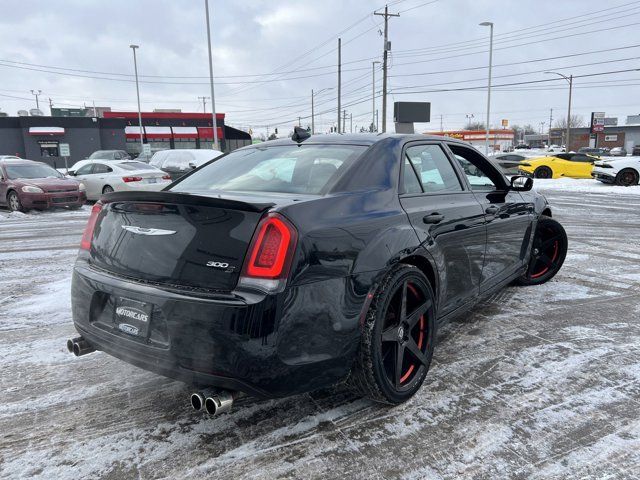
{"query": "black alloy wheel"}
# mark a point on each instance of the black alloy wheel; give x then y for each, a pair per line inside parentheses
(548, 252)
(397, 339)
(543, 172)
(627, 177)
(13, 202)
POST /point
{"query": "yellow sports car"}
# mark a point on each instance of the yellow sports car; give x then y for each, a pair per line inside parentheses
(572, 165)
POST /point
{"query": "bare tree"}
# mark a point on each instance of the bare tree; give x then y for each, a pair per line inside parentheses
(474, 126)
(575, 122)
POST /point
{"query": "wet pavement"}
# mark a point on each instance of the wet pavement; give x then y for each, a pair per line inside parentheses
(536, 382)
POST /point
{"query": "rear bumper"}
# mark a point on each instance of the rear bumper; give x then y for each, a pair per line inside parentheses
(52, 199)
(264, 345)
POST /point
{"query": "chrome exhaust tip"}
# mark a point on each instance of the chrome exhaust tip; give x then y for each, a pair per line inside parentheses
(79, 346)
(219, 403)
(197, 401)
(70, 343)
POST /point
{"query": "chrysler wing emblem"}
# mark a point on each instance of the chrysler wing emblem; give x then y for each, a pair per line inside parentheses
(147, 231)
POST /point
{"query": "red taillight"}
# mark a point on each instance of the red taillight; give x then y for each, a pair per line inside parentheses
(131, 179)
(272, 249)
(166, 177)
(87, 236)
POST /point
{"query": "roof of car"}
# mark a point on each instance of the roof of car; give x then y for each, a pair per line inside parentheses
(17, 161)
(355, 139)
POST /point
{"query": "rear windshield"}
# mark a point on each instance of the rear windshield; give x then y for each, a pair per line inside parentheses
(134, 166)
(31, 171)
(283, 169)
(104, 154)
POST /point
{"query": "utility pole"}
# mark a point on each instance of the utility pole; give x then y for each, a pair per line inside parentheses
(377, 129)
(33, 92)
(351, 122)
(135, 67)
(204, 103)
(387, 47)
(299, 124)
(486, 138)
(441, 128)
(339, 78)
(550, 120)
(95, 115)
(214, 122)
(373, 96)
(344, 121)
(50, 107)
(570, 80)
(313, 123)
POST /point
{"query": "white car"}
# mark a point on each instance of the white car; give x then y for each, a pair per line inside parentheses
(100, 177)
(621, 171)
(178, 162)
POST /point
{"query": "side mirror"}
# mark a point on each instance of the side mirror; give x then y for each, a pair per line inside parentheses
(193, 165)
(71, 173)
(521, 184)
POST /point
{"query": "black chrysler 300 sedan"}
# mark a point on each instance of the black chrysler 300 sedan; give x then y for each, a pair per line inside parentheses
(297, 264)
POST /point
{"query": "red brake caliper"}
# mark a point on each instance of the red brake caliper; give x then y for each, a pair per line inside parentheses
(406, 375)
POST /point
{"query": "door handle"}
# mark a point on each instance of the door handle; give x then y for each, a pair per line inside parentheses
(492, 210)
(434, 217)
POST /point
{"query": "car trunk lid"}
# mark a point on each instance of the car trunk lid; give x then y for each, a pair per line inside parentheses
(175, 239)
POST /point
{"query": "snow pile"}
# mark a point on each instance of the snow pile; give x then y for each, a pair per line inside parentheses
(582, 185)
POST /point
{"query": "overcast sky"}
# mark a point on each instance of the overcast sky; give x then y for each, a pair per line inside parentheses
(269, 55)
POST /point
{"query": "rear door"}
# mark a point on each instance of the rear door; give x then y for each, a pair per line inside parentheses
(508, 217)
(447, 218)
(3, 185)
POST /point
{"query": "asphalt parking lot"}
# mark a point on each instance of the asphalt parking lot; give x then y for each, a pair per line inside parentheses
(538, 382)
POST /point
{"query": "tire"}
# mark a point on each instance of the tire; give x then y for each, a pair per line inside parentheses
(107, 189)
(375, 374)
(548, 252)
(627, 177)
(13, 202)
(543, 172)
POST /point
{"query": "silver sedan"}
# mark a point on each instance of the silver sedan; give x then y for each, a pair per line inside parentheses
(100, 177)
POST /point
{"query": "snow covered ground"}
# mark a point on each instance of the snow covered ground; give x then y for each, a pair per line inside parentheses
(537, 382)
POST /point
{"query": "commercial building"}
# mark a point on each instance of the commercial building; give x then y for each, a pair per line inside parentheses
(499, 139)
(38, 138)
(626, 136)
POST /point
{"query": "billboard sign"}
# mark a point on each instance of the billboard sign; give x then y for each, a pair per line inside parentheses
(597, 122)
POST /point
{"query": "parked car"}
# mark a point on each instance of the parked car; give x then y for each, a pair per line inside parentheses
(621, 171)
(109, 155)
(178, 162)
(636, 151)
(102, 177)
(144, 157)
(572, 165)
(288, 267)
(25, 184)
(618, 152)
(522, 146)
(597, 152)
(509, 163)
(9, 157)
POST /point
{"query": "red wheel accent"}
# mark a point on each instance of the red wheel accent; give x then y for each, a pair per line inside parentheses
(412, 367)
(556, 249)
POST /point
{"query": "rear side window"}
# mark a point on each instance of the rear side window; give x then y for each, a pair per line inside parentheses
(100, 168)
(433, 169)
(310, 169)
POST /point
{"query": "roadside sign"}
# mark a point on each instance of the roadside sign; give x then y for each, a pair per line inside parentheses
(64, 150)
(505, 122)
(146, 149)
(597, 122)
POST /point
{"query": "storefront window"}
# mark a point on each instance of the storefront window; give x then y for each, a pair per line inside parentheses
(49, 149)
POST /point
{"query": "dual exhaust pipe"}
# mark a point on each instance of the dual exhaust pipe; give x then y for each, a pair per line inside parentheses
(214, 403)
(79, 346)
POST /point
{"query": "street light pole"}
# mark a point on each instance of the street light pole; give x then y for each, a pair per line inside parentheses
(214, 122)
(135, 68)
(569, 79)
(373, 96)
(486, 139)
(313, 123)
(33, 92)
